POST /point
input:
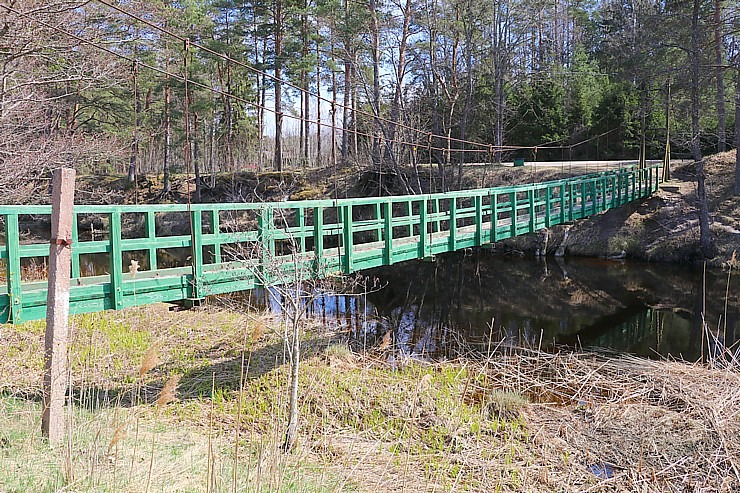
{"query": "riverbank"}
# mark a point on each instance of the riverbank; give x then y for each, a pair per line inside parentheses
(370, 421)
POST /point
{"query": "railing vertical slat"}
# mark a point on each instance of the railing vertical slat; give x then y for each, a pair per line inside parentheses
(151, 234)
(548, 205)
(532, 215)
(562, 203)
(348, 238)
(478, 220)
(116, 260)
(318, 240)
(435, 210)
(13, 268)
(216, 229)
(494, 217)
(388, 232)
(410, 215)
(512, 202)
(378, 221)
(267, 244)
(75, 271)
(452, 241)
(423, 234)
(196, 245)
(301, 212)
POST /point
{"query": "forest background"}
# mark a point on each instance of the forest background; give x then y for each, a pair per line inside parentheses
(159, 86)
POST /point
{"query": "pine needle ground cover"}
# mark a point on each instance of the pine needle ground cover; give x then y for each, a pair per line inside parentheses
(197, 401)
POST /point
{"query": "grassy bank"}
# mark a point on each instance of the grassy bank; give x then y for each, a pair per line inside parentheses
(370, 422)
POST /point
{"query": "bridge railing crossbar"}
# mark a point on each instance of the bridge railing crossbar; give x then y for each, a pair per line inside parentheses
(133, 255)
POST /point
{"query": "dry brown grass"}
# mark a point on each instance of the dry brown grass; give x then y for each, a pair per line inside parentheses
(370, 422)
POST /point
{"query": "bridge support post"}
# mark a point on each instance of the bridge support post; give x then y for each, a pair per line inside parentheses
(57, 306)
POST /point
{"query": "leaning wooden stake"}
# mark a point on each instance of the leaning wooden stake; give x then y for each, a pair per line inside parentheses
(57, 306)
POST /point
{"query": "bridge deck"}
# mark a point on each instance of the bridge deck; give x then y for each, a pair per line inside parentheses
(230, 247)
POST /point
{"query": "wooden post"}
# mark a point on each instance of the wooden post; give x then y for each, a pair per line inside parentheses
(57, 305)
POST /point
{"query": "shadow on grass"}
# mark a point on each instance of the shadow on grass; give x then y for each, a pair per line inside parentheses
(198, 382)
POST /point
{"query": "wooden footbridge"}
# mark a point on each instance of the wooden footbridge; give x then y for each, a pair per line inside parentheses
(167, 253)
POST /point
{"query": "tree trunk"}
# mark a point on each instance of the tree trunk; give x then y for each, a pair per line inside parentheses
(469, 95)
(278, 157)
(318, 102)
(196, 159)
(719, 60)
(134, 158)
(375, 53)
(706, 242)
(167, 138)
(737, 126)
(400, 73)
(304, 80)
(346, 103)
(334, 88)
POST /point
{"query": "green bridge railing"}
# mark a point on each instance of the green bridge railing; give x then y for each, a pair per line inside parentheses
(135, 255)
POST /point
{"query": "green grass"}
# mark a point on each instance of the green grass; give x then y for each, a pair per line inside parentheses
(92, 462)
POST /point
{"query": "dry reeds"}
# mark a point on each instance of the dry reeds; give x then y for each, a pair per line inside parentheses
(149, 361)
(167, 394)
(657, 424)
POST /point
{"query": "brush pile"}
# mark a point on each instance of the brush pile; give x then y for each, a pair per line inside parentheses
(635, 424)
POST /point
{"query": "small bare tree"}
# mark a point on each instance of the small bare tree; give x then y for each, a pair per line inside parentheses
(293, 278)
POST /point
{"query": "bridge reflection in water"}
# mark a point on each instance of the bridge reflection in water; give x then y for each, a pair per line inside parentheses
(646, 309)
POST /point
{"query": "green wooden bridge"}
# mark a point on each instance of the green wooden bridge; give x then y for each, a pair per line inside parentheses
(169, 253)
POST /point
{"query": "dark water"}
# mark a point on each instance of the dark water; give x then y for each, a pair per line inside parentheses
(645, 309)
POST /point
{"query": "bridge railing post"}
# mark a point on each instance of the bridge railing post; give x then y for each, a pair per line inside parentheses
(478, 220)
(388, 232)
(494, 216)
(151, 234)
(116, 260)
(266, 243)
(347, 238)
(196, 247)
(513, 203)
(452, 241)
(424, 249)
(216, 230)
(13, 268)
(318, 241)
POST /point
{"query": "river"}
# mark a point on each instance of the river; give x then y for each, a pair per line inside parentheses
(476, 300)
